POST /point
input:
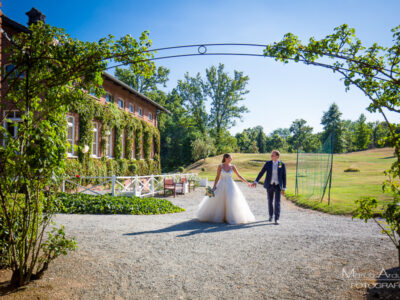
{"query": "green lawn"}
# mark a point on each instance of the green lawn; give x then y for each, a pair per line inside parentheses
(346, 186)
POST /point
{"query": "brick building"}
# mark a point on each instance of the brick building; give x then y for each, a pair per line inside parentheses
(117, 92)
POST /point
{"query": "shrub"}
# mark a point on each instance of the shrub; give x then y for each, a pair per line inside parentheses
(181, 169)
(202, 169)
(107, 204)
(352, 170)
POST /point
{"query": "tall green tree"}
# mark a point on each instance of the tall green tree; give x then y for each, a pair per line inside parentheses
(334, 125)
(349, 135)
(226, 94)
(380, 134)
(243, 141)
(363, 133)
(278, 140)
(191, 92)
(32, 160)
(143, 83)
(301, 135)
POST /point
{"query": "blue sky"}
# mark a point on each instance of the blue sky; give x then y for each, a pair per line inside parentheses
(279, 93)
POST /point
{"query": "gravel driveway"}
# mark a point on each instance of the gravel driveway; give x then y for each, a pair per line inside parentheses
(175, 257)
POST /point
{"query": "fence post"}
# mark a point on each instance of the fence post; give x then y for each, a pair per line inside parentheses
(63, 186)
(113, 185)
(152, 184)
(136, 185)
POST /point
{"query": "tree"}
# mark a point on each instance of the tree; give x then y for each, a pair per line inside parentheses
(363, 133)
(334, 125)
(202, 147)
(190, 90)
(141, 83)
(349, 135)
(53, 71)
(380, 134)
(253, 147)
(374, 70)
(225, 94)
(278, 140)
(243, 141)
(301, 134)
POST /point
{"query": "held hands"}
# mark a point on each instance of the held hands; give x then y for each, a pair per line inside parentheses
(283, 192)
(253, 185)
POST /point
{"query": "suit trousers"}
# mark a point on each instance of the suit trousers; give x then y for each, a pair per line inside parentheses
(274, 193)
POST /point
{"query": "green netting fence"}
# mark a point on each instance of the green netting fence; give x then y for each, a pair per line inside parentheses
(314, 171)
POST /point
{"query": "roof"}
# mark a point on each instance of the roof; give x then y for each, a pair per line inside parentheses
(11, 23)
(8, 22)
(131, 90)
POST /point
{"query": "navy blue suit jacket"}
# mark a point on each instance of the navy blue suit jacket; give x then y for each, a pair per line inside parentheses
(268, 169)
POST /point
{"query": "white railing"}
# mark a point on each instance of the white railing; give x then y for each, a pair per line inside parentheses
(140, 186)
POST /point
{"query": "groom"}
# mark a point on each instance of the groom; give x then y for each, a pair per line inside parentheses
(275, 183)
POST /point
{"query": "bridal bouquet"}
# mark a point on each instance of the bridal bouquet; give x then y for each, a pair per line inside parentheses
(209, 192)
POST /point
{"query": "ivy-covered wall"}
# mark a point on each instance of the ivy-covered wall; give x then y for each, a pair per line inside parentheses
(111, 118)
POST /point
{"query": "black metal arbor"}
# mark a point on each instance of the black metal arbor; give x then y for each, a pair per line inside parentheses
(313, 170)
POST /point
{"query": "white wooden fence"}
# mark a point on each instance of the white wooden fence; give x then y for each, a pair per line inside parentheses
(128, 185)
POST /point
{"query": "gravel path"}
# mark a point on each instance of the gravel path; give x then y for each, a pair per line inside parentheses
(175, 257)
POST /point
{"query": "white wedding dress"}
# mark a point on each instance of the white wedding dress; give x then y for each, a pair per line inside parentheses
(229, 204)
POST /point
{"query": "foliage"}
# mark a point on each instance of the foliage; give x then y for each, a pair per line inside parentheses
(334, 125)
(302, 136)
(107, 204)
(363, 133)
(202, 148)
(56, 70)
(253, 147)
(225, 94)
(390, 225)
(143, 84)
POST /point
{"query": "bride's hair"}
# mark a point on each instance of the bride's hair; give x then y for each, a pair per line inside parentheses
(226, 155)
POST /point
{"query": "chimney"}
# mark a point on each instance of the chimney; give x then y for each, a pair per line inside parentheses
(35, 16)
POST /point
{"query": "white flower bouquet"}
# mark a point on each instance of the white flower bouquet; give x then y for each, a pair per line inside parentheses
(210, 192)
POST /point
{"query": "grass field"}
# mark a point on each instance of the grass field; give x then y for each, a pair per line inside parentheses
(346, 186)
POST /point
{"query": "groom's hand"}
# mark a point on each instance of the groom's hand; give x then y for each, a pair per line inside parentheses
(254, 185)
(283, 192)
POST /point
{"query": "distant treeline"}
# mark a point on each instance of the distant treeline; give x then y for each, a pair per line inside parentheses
(192, 132)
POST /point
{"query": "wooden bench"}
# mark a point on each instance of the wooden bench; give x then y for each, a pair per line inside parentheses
(169, 185)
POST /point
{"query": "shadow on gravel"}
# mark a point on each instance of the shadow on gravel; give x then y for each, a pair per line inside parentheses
(387, 286)
(196, 227)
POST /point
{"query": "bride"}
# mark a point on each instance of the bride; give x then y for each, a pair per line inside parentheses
(229, 204)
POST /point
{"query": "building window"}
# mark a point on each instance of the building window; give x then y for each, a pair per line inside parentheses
(71, 135)
(92, 92)
(109, 145)
(140, 112)
(150, 116)
(13, 72)
(95, 146)
(120, 103)
(109, 98)
(11, 127)
(131, 108)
